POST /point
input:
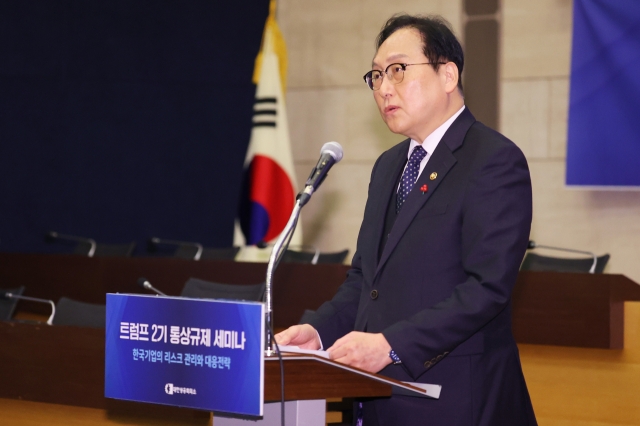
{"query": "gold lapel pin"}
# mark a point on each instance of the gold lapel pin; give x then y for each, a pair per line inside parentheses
(433, 176)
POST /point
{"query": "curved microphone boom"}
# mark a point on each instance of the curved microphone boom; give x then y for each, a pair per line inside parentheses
(330, 154)
(144, 283)
(9, 295)
(199, 248)
(52, 236)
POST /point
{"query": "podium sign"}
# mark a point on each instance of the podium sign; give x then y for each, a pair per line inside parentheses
(196, 353)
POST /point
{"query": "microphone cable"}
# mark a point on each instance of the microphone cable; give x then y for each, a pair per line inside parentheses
(273, 339)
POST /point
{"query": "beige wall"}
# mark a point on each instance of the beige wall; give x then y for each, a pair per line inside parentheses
(330, 46)
(535, 88)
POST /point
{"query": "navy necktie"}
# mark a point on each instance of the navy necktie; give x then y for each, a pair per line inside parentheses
(410, 175)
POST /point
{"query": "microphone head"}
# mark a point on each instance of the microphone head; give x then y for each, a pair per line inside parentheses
(531, 245)
(50, 236)
(142, 281)
(334, 149)
(5, 295)
(152, 245)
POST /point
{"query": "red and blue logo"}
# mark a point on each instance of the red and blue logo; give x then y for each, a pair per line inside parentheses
(267, 200)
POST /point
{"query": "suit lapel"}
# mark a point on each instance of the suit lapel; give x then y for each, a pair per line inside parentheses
(382, 198)
(441, 161)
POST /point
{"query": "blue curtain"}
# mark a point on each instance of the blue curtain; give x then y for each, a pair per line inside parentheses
(121, 120)
(604, 111)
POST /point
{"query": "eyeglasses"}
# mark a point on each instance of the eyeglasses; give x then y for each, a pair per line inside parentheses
(395, 72)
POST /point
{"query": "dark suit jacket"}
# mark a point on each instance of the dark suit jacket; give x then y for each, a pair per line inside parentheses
(439, 289)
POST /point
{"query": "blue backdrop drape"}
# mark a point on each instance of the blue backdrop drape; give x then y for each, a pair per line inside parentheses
(122, 120)
(603, 146)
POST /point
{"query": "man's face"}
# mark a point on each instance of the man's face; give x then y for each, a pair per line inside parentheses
(416, 106)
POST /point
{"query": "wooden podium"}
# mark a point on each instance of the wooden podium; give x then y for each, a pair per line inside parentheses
(571, 309)
(65, 365)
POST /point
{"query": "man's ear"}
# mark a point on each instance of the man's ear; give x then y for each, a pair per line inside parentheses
(451, 76)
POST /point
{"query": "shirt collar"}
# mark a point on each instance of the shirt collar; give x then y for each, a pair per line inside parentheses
(431, 142)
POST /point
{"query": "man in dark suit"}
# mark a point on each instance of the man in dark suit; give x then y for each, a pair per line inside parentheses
(446, 224)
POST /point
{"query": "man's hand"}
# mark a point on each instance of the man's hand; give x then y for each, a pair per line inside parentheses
(304, 336)
(367, 351)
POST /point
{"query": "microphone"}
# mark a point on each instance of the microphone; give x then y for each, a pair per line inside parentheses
(330, 153)
(8, 295)
(532, 244)
(144, 283)
(52, 236)
(155, 241)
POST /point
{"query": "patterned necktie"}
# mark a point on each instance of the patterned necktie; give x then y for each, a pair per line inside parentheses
(410, 175)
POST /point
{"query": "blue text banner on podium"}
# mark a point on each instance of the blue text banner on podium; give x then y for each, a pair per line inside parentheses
(196, 353)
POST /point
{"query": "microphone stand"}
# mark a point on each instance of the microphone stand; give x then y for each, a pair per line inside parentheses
(198, 246)
(330, 154)
(92, 243)
(34, 299)
(145, 284)
(276, 255)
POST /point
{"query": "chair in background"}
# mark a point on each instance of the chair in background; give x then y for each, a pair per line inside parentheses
(82, 314)
(89, 247)
(193, 250)
(314, 257)
(200, 289)
(536, 262)
(8, 306)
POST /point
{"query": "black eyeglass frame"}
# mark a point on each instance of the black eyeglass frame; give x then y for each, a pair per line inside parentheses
(368, 76)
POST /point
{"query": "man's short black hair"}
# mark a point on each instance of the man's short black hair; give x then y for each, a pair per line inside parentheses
(439, 42)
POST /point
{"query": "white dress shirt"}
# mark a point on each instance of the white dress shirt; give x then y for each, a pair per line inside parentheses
(431, 142)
